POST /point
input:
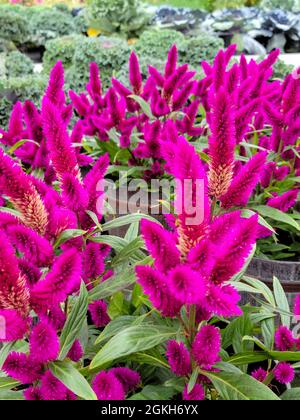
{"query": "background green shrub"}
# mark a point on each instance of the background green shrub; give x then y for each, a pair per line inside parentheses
(128, 17)
(63, 49)
(156, 43)
(13, 26)
(200, 48)
(18, 64)
(15, 89)
(49, 23)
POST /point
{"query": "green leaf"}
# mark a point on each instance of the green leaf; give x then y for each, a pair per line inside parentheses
(115, 308)
(11, 395)
(67, 235)
(281, 301)
(292, 394)
(285, 356)
(262, 288)
(154, 392)
(268, 332)
(72, 379)
(132, 340)
(249, 213)
(4, 352)
(74, 324)
(193, 379)
(7, 383)
(132, 232)
(152, 358)
(115, 326)
(112, 285)
(18, 144)
(128, 251)
(236, 387)
(277, 215)
(114, 242)
(144, 105)
(126, 220)
(116, 283)
(247, 358)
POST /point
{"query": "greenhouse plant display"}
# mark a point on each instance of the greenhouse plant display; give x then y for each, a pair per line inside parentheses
(149, 203)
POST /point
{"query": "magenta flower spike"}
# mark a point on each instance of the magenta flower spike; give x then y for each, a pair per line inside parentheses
(135, 75)
(179, 358)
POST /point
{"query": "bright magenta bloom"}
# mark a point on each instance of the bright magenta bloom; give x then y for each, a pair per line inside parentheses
(284, 373)
(259, 374)
(14, 326)
(284, 339)
(186, 285)
(127, 377)
(43, 342)
(197, 393)
(285, 201)
(99, 315)
(108, 387)
(76, 351)
(179, 358)
(22, 368)
(52, 389)
(206, 346)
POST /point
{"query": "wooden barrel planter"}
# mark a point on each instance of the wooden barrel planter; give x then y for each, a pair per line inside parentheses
(288, 272)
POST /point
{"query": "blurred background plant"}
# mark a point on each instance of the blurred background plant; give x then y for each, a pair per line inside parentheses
(126, 17)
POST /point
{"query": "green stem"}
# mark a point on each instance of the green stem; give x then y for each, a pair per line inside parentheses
(192, 322)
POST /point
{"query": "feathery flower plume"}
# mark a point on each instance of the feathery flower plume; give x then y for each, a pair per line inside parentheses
(284, 339)
(94, 86)
(186, 285)
(63, 155)
(155, 285)
(108, 387)
(19, 188)
(92, 183)
(196, 394)
(43, 342)
(285, 201)
(14, 327)
(259, 374)
(15, 126)
(219, 70)
(185, 165)
(56, 317)
(76, 351)
(223, 301)
(33, 393)
(221, 144)
(238, 246)
(22, 368)
(284, 373)
(179, 358)
(74, 195)
(135, 76)
(206, 346)
(171, 63)
(99, 315)
(59, 282)
(127, 377)
(54, 92)
(14, 293)
(161, 245)
(93, 260)
(245, 181)
(34, 247)
(52, 389)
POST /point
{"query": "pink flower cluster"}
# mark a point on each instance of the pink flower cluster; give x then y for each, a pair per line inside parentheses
(37, 271)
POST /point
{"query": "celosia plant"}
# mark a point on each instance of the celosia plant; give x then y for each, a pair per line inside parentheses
(91, 316)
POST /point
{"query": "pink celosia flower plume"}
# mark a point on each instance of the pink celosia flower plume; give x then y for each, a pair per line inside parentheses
(221, 144)
(244, 182)
(59, 282)
(179, 358)
(14, 293)
(23, 194)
